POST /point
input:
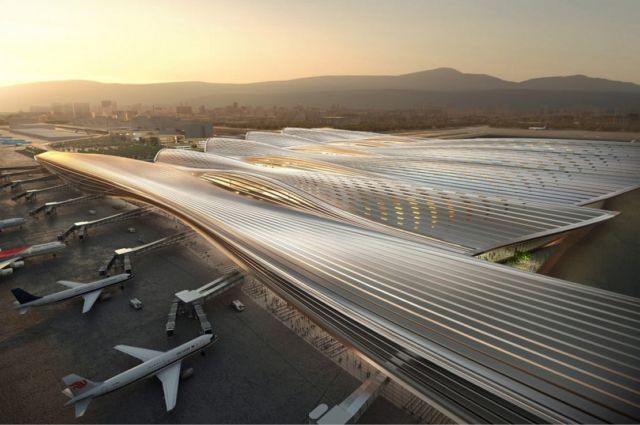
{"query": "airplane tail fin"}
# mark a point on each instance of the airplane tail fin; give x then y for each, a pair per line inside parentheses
(23, 296)
(80, 406)
(77, 385)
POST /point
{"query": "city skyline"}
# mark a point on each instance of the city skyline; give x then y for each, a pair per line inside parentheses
(241, 41)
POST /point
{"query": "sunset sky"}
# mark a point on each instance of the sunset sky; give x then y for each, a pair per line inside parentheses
(233, 41)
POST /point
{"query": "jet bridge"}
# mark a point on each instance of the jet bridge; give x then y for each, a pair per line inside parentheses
(81, 227)
(123, 255)
(193, 299)
(3, 170)
(15, 183)
(211, 289)
(51, 207)
(8, 172)
(31, 193)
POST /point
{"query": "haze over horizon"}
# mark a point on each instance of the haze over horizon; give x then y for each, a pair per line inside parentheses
(242, 41)
(443, 68)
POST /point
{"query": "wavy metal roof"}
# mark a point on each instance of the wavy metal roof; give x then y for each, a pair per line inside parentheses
(620, 161)
(326, 134)
(277, 139)
(562, 187)
(468, 222)
(483, 342)
(239, 148)
(574, 173)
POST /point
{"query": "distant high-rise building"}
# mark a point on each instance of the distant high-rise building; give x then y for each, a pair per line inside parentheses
(196, 129)
(81, 110)
(62, 109)
(124, 115)
(39, 109)
(107, 108)
(189, 128)
(184, 110)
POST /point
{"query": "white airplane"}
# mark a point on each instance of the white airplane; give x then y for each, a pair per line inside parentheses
(11, 222)
(13, 258)
(89, 291)
(163, 364)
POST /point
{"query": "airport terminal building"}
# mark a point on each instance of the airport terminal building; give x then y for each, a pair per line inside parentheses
(394, 246)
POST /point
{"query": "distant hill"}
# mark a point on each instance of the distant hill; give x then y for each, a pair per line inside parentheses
(579, 83)
(442, 87)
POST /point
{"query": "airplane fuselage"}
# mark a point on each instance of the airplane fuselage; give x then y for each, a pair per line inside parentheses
(10, 256)
(77, 291)
(147, 369)
(42, 249)
(11, 222)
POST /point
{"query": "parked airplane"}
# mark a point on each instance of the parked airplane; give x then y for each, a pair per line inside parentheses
(13, 258)
(164, 365)
(11, 222)
(89, 291)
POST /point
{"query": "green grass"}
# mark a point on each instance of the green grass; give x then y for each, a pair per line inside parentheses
(111, 145)
(94, 142)
(30, 151)
(519, 257)
(129, 151)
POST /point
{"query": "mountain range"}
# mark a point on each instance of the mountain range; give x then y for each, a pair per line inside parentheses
(437, 88)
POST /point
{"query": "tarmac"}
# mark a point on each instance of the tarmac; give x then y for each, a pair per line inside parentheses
(257, 372)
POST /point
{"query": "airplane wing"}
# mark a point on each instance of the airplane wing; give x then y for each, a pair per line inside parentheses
(6, 263)
(90, 299)
(170, 378)
(139, 353)
(70, 284)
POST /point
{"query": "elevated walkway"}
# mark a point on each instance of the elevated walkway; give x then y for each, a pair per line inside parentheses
(51, 207)
(15, 183)
(81, 227)
(123, 255)
(31, 193)
(7, 173)
(192, 300)
(3, 170)
(211, 289)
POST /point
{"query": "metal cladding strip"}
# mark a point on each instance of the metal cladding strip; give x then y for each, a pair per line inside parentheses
(277, 139)
(329, 150)
(575, 162)
(474, 223)
(324, 135)
(615, 149)
(346, 134)
(500, 178)
(599, 146)
(380, 141)
(613, 162)
(479, 223)
(267, 189)
(518, 342)
(510, 182)
(239, 148)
